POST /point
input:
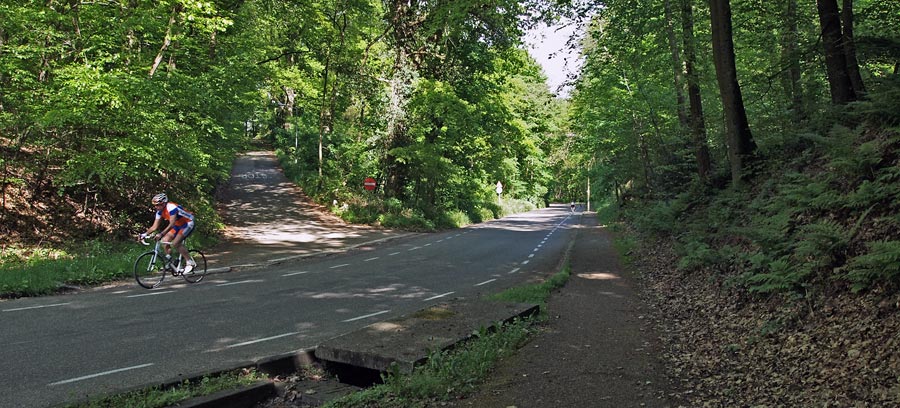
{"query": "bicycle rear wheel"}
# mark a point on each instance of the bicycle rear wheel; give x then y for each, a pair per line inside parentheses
(200, 270)
(149, 270)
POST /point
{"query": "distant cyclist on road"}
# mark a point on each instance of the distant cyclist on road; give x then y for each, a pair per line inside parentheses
(180, 225)
(572, 207)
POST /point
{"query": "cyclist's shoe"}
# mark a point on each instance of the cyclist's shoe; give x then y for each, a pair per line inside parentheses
(190, 267)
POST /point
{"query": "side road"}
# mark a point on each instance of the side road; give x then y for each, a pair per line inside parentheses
(269, 219)
(596, 350)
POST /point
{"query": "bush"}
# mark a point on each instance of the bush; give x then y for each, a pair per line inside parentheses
(406, 220)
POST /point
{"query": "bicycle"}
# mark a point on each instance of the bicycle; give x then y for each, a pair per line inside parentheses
(150, 267)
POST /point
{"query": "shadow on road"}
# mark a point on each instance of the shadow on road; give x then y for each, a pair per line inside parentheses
(268, 217)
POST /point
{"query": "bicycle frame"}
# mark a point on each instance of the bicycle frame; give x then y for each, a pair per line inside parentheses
(160, 252)
(150, 267)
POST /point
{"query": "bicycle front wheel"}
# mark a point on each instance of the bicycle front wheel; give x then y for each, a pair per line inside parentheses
(149, 270)
(200, 270)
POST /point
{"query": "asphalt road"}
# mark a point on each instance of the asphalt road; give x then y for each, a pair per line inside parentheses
(61, 348)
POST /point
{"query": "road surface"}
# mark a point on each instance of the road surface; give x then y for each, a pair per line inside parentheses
(59, 349)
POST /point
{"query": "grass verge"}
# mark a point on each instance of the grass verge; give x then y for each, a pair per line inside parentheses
(36, 272)
(459, 371)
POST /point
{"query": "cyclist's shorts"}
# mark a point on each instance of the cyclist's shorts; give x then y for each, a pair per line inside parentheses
(185, 229)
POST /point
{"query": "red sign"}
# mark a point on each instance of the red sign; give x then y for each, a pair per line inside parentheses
(369, 184)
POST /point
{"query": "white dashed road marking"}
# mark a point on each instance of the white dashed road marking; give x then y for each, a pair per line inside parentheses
(100, 374)
(151, 294)
(438, 296)
(36, 307)
(366, 316)
(262, 340)
(240, 282)
(295, 273)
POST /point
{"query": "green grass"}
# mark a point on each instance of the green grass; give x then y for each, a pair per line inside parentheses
(536, 293)
(41, 271)
(157, 397)
(451, 373)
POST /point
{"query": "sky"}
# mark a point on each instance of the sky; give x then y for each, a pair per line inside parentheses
(547, 46)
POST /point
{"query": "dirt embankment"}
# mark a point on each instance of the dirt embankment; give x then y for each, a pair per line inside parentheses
(729, 350)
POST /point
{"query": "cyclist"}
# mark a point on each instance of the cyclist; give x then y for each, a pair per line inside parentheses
(572, 207)
(180, 225)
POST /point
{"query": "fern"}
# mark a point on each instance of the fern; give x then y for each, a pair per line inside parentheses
(880, 264)
(781, 277)
(820, 242)
(696, 254)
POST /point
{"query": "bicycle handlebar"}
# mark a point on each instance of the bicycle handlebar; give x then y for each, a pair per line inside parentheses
(143, 241)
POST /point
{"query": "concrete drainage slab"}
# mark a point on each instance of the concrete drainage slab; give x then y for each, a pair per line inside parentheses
(408, 340)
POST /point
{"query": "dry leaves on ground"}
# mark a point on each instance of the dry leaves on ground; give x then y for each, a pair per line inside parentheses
(727, 350)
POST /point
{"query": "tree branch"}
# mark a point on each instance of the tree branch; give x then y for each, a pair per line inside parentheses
(166, 41)
(278, 57)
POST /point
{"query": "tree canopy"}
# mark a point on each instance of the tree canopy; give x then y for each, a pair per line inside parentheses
(105, 103)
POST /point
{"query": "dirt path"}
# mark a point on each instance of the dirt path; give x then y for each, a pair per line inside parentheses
(268, 217)
(598, 348)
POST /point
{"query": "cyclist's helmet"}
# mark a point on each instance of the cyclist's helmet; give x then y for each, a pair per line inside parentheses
(160, 198)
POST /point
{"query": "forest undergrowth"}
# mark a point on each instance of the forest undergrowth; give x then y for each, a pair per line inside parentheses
(784, 291)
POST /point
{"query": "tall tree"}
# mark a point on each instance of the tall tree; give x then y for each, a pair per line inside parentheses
(849, 47)
(677, 65)
(790, 58)
(696, 120)
(835, 53)
(741, 146)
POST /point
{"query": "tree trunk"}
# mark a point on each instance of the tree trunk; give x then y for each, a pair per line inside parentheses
(791, 59)
(835, 59)
(740, 140)
(324, 119)
(859, 89)
(167, 40)
(677, 67)
(696, 121)
(397, 174)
